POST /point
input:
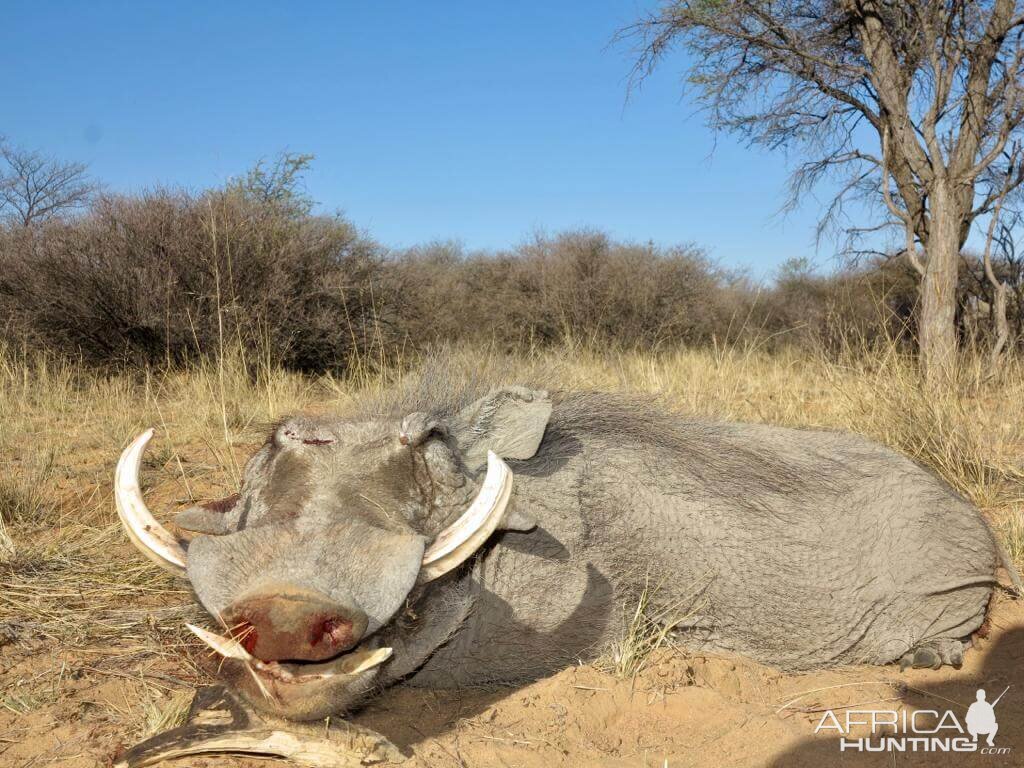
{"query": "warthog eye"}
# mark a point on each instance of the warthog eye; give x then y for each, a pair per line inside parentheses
(307, 439)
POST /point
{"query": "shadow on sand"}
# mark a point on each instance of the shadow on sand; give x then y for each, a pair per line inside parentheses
(1003, 666)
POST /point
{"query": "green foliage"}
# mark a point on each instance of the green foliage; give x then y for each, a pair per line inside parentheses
(277, 184)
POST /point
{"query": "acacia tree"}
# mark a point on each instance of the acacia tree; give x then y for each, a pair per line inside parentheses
(278, 183)
(912, 103)
(35, 188)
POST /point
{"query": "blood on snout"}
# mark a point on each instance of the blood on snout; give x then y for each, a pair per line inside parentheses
(335, 631)
(246, 634)
(284, 621)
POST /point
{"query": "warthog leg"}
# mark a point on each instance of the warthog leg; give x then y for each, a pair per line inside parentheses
(219, 723)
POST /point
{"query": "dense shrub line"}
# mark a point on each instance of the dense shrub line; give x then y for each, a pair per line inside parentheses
(167, 276)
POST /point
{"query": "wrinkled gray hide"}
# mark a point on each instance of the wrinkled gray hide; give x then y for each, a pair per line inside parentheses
(796, 548)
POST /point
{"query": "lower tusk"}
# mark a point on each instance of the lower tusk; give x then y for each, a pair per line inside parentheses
(225, 646)
(152, 539)
(230, 648)
(362, 661)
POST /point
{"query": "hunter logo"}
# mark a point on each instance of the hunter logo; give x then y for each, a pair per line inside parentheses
(981, 717)
(923, 730)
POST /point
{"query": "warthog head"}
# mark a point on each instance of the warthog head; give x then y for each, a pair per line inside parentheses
(339, 527)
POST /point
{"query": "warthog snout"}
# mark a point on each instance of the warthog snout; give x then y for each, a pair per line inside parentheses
(278, 622)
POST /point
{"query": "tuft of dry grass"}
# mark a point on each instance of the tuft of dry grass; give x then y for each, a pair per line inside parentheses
(162, 711)
(650, 627)
(1011, 531)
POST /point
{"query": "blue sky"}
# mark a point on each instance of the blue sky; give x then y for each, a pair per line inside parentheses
(477, 121)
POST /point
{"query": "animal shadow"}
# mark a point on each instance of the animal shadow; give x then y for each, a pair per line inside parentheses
(1001, 667)
(410, 715)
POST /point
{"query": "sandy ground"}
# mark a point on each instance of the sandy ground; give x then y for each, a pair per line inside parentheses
(683, 710)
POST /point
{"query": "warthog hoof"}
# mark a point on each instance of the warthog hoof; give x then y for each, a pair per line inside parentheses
(934, 654)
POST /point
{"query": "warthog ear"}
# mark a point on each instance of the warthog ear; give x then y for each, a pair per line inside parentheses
(509, 421)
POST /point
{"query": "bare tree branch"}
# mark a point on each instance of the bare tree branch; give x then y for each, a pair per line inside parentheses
(937, 81)
(35, 188)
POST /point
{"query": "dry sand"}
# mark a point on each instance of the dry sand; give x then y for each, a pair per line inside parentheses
(683, 710)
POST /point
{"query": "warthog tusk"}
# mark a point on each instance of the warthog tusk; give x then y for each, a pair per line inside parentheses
(225, 646)
(457, 543)
(145, 532)
(360, 661)
(231, 649)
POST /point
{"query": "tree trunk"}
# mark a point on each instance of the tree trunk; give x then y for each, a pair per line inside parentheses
(937, 326)
(1002, 327)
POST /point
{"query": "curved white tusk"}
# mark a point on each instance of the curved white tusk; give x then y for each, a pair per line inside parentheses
(457, 543)
(145, 532)
(360, 661)
(225, 646)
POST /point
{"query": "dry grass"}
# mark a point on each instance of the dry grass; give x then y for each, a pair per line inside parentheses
(70, 580)
(649, 627)
(163, 711)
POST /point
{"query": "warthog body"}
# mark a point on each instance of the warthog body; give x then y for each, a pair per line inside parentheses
(796, 548)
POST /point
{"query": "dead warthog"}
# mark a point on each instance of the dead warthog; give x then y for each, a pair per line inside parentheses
(361, 552)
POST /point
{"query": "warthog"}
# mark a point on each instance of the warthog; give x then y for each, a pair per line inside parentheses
(504, 539)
